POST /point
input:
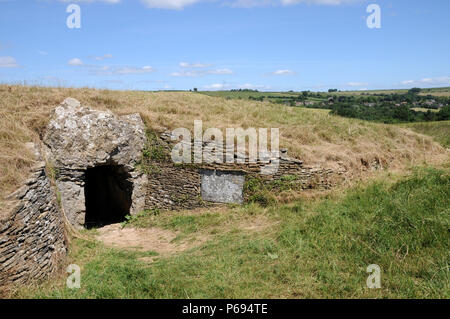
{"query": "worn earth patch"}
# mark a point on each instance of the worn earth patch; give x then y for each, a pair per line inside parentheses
(145, 239)
(167, 242)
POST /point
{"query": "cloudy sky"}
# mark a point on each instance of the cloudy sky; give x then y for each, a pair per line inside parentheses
(213, 44)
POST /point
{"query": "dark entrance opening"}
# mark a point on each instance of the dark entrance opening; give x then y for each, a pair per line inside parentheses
(107, 195)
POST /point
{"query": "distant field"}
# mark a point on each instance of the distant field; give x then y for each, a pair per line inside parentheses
(445, 91)
(369, 92)
(440, 131)
(436, 91)
(422, 109)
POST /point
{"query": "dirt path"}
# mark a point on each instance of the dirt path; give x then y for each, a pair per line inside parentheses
(152, 239)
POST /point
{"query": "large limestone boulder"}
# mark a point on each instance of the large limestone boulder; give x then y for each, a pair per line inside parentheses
(78, 137)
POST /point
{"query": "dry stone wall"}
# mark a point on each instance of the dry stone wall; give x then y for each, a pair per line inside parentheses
(179, 186)
(172, 186)
(32, 238)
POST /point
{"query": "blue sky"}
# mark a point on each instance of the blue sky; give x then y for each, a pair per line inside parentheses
(211, 44)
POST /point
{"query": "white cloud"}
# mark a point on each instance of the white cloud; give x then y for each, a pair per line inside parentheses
(42, 52)
(194, 65)
(53, 80)
(443, 80)
(75, 62)
(320, 2)
(253, 87)
(407, 82)
(265, 3)
(220, 71)
(131, 70)
(228, 86)
(107, 1)
(8, 62)
(185, 73)
(169, 4)
(106, 70)
(283, 72)
(217, 86)
(356, 83)
(251, 3)
(101, 58)
(110, 70)
(197, 73)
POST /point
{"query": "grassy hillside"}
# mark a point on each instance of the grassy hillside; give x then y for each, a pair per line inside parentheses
(314, 136)
(440, 131)
(308, 249)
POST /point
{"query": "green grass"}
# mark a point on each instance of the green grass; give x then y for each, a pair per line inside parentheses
(440, 131)
(312, 249)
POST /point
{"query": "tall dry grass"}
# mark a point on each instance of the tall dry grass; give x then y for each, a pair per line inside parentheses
(314, 136)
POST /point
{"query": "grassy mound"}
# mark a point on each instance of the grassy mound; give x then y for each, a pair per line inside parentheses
(314, 136)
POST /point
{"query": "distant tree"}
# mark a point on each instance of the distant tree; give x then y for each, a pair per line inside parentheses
(195, 89)
(414, 91)
(429, 116)
(402, 113)
(444, 113)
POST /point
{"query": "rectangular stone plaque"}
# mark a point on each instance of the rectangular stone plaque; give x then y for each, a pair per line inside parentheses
(222, 186)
